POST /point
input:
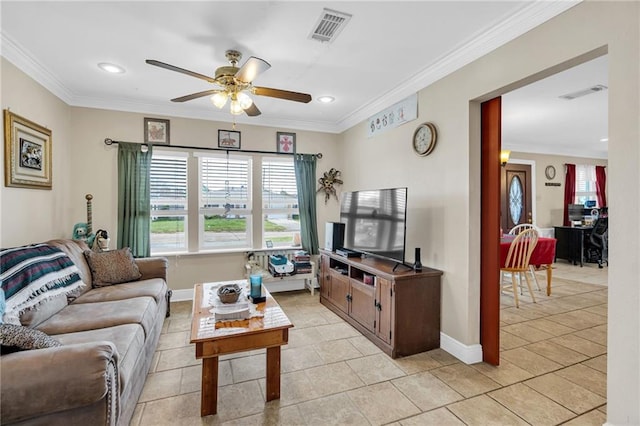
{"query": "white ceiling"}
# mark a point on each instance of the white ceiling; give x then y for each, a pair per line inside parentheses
(387, 51)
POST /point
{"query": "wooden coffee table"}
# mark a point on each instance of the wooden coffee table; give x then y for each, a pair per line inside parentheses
(213, 339)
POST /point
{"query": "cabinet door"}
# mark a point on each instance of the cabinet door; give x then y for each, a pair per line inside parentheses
(325, 277)
(384, 307)
(362, 303)
(339, 290)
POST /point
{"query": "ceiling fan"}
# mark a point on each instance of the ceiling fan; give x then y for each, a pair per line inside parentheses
(233, 83)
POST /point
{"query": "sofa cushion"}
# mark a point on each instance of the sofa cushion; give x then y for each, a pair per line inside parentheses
(112, 267)
(17, 337)
(91, 316)
(34, 316)
(155, 287)
(128, 339)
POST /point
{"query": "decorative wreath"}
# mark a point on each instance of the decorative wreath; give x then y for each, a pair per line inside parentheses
(327, 181)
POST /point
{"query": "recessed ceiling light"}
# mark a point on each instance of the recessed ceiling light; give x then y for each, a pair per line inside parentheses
(111, 68)
(604, 140)
(326, 99)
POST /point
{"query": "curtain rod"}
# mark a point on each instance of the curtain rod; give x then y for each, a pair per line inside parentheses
(108, 141)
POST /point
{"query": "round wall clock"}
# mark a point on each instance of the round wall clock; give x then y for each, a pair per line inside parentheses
(550, 172)
(424, 139)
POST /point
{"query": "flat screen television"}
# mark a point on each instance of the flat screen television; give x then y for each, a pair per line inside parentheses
(375, 222)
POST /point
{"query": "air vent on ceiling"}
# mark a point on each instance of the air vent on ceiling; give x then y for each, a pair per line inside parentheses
(329, 25)
(584, 92)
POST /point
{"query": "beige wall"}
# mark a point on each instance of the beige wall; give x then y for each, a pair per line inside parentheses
(97, 165)
(33, 215)
(444, 188)
(550, 199)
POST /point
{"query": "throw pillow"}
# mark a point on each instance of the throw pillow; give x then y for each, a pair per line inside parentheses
(16, 337)
(112, 267)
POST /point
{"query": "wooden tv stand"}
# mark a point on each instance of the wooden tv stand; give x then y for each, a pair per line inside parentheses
(399, 310)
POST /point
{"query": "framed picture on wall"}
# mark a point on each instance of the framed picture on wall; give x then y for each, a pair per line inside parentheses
(228, 139)
(286, 142)
(156, 131)
(27, 161)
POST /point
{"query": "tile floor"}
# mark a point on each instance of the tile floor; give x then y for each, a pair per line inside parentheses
(553, 370)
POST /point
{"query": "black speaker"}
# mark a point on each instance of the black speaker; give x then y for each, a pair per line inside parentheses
(334, 236)
(417, 266)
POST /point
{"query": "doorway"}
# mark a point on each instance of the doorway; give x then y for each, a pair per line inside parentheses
(515, 196)
(491, 200)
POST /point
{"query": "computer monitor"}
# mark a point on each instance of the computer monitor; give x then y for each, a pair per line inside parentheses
(576, 212)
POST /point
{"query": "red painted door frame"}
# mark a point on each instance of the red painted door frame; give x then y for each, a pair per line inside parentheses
(491, 121)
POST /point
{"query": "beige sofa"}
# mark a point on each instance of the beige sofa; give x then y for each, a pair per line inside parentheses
(108, 336)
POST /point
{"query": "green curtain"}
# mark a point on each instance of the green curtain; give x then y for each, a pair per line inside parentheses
(305, 166)
(134, 198)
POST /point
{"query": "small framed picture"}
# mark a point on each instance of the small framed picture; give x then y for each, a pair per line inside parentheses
(27, 161)
(269, 243)
(156, 131)
(228, 139)
(286, 142)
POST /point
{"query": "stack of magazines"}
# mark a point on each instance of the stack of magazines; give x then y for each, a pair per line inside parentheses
(302, 262)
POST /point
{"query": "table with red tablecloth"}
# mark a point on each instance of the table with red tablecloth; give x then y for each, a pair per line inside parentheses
(543, 255)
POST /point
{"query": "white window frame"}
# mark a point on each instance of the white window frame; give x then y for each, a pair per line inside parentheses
(175, 212)
(246, 212)
(585, 177)
(194, 214)
(265, 210)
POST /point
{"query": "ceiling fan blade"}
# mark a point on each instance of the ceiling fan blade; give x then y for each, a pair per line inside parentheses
(251, 69)
(253, 110)
(282, 94)
(195, 95)
(178, 69)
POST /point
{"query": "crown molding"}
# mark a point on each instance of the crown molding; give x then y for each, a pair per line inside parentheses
(21, 58)
(185, 111)
(479, 45)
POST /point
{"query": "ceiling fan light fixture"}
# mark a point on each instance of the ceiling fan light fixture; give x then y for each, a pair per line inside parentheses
(220, 99)
(244, 100)
(235, 107)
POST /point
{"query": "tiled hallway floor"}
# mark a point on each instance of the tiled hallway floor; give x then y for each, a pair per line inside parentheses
(553, 370)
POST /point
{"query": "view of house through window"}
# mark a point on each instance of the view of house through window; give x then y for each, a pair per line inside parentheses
(230, 211)
(281, 219)
(225, 202)
(169, 214)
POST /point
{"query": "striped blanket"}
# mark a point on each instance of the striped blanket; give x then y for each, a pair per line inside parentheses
(33, 274)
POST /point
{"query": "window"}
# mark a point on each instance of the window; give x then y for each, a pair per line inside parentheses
(585, 184)
(238, 202)
(169, 212)
(225, 202)
(280, 214)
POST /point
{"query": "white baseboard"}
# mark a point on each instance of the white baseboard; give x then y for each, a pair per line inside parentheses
(182, 295)
(469, 354)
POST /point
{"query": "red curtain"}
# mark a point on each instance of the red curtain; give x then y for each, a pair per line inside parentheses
(569, 190)
(601, 182)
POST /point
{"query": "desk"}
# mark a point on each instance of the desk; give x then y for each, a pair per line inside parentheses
(544, 254)
(213, 339)
(571, 242)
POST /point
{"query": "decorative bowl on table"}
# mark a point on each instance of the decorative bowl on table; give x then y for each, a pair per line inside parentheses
(229, 293)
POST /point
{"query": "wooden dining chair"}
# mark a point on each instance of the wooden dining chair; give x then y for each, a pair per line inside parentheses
(515, 231)
(517, 262)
